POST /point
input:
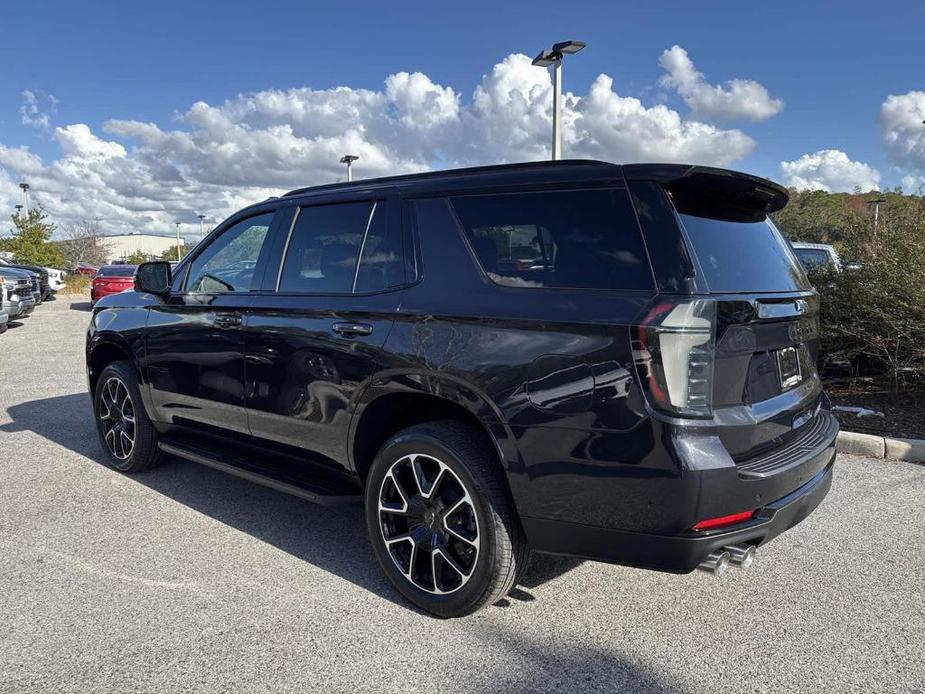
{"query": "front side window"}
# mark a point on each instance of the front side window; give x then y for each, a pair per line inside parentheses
(324, 247)
(228, 263)
(585, 239)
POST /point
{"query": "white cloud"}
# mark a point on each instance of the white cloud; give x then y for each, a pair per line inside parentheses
(902, 130)
(913, 185)
(37, 109)
(217, 158)
(737, 98)
(830, 170)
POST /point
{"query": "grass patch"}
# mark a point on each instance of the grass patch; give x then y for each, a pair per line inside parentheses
(76, 284)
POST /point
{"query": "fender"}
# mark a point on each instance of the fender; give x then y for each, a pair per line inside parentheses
(446, 387)
(121, 326)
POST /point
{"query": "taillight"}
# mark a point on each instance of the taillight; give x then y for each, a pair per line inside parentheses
(674, 346)
(722, 521)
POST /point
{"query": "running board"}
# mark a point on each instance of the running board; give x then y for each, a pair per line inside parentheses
(316, 492)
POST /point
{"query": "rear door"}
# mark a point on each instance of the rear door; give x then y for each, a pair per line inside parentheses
(766, 386)
(314, 331)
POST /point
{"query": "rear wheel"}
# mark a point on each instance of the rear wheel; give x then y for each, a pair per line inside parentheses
(441, 520)
(128, 438)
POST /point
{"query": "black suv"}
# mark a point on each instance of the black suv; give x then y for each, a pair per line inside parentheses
(575, 357)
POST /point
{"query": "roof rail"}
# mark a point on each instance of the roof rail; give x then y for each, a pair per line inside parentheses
(425, 175)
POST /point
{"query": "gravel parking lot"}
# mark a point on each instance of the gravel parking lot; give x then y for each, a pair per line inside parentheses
(185, 579)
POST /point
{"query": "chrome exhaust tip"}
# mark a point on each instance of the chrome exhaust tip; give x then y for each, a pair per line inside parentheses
(741, 555)
(716, 563)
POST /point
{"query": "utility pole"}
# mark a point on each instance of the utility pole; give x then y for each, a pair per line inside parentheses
(178, 239)
(201, 228)
(25, 195)
(348, 159)
(553, 57)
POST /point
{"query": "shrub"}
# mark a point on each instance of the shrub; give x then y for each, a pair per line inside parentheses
(875, 314)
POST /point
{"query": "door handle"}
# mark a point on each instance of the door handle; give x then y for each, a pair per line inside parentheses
(227, 320)
(352, 329)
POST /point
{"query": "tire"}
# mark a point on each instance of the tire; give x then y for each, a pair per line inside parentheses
(462, 547)
(117, 382)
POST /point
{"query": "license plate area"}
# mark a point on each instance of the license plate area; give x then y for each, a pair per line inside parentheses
(788, 367)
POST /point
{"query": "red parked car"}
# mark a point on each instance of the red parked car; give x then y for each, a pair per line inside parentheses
(111, 279)
(81, 269)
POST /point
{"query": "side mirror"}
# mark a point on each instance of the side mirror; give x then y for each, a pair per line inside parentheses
(153, 278)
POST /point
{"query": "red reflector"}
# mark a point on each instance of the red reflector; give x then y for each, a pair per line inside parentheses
(731, 519)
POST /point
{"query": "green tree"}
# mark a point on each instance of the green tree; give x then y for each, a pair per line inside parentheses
(171, 253)
(136, 258)
(31, 240)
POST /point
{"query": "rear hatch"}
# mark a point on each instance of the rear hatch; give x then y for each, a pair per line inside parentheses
(734, 335)
(766, 389)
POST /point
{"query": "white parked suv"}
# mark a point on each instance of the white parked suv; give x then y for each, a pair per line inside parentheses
(55, 278)
(814, 255)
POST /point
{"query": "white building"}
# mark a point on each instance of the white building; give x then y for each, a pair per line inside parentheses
(121, 246)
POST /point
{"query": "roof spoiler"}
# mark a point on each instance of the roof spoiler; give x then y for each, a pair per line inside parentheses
(712, 192)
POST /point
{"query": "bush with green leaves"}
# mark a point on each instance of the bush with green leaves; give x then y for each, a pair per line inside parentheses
(873, 312)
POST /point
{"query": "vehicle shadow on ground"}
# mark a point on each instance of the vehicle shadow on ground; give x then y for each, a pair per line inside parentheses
(80, 306)
(332, 538)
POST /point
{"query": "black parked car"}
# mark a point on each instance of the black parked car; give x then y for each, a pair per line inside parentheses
(642, 391)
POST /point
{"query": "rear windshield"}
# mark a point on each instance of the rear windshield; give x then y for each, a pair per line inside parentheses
(743, 256)
(578, 239)
(116, 271)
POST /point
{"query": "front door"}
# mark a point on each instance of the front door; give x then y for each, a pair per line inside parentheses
(195, 340)
(313, 336)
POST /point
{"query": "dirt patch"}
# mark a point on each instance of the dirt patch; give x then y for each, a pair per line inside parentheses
(903, 411)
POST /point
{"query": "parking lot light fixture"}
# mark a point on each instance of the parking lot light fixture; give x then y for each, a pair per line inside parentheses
(553, 58)
(201, 218)
(25, 195)
(348, 159)
(178, 239)
(18, 210)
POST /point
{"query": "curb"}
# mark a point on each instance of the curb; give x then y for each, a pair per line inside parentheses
(871, 446)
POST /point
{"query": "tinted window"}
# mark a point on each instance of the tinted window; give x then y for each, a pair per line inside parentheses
(582, 239)
(382, 262)
(323, 250)
(743, 256)
(228, 263)
(117, 271)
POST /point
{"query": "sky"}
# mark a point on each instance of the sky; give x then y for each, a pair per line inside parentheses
(139, 114)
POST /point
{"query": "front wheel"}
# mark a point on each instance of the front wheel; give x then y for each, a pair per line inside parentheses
(441, 520)
(128, 438)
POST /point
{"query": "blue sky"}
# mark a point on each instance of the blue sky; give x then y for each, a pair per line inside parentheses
(831, 64)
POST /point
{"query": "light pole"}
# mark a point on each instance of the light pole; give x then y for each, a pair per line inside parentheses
(178, 239)
(554, 57)
(876, 203)
(18, 210)
(25, 195)
(201, 229)
(348, 159)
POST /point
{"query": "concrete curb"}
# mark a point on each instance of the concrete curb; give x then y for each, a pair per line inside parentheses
(872, 446)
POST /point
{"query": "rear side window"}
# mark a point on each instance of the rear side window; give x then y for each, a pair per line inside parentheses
(586, 239)
(324, 248)
(743, 256)
(382, 260)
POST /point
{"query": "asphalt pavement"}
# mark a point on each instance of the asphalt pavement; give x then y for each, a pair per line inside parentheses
(183, 579)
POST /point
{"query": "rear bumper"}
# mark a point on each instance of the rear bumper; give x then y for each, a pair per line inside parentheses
(679, 553)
